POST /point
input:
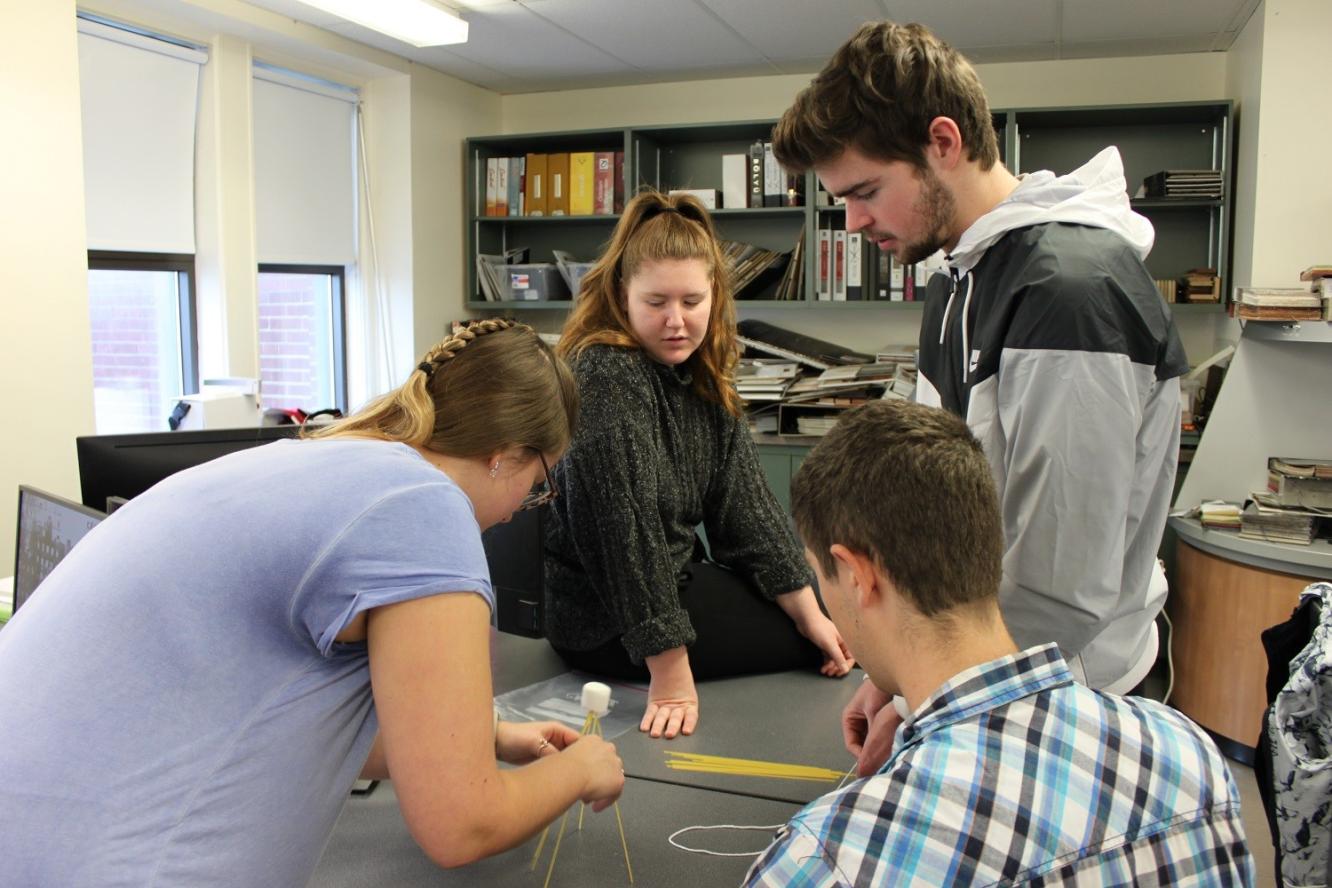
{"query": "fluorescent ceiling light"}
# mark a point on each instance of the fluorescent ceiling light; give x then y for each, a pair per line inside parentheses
(418, 22)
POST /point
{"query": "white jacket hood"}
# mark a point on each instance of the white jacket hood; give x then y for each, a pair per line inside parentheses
(1094, 194)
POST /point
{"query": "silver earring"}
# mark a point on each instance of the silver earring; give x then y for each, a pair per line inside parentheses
(494, 470)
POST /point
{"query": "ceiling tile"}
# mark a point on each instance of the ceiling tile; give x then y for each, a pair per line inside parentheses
(651, 34)
(1098, 20)
(965, 23)
(787, 31)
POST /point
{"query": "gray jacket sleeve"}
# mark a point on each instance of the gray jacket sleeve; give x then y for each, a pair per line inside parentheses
(1066, 422)
(747, 530)
(610, 490)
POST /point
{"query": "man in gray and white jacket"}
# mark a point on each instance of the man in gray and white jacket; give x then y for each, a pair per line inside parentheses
(1047, 335)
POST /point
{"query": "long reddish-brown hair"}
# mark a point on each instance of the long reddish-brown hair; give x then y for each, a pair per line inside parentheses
(657, 226)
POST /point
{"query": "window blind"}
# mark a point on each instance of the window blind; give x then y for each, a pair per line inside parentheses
(139, 98)
(304, 170)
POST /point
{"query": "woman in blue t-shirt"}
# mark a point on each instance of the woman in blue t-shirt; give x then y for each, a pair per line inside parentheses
(191, 693)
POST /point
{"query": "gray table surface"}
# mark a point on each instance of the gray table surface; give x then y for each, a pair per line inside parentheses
(790, 717)
(371, 845)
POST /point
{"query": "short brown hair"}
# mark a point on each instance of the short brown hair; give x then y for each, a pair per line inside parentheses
(490, 386)
(908, 486)
(658, 226)
(878, 94)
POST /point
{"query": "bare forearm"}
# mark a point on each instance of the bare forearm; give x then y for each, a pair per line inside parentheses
(519, 804)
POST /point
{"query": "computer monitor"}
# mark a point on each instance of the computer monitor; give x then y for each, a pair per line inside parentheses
(127, 465)
(517, 572)
(48, 527)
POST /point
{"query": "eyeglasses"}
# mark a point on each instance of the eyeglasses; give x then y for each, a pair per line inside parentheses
(547, 492)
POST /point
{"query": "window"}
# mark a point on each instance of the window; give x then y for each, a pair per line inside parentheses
(301, 341)
(144, 346)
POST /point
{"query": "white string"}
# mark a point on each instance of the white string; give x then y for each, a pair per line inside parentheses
(671, 839)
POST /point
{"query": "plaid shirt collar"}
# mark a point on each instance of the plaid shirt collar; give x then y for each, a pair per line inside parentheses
(982, 688)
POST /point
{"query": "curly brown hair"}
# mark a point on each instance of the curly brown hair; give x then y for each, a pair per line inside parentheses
(878, 94)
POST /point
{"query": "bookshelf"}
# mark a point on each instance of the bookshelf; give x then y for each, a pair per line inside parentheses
(1190, 232)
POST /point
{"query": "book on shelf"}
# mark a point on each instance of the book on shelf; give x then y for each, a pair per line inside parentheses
(755, 198)
(792, 285)
(582, 183)
(839, 265)
(1167, 288)
(824, 280)
(1190, 184)
(1199, 285)
(774, 179)
(492, 177)
(735, 187)
(855, 266)
(557, 172)
(617, 205)
(753, 268)
(603, 186)
(534, 192)
(1316, 273)
(501, 186)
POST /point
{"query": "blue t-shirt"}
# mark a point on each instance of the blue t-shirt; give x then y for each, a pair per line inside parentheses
(174, 709)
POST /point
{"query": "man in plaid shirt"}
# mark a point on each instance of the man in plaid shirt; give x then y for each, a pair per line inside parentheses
(1006, 771)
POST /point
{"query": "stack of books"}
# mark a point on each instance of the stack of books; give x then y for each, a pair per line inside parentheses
(1276, 525)
(1276, 304)
(1185, 184)
(1200, 285)
(1320, 284)
(1300, 483)
(1219, 515)
(753, 268)
(760, 380)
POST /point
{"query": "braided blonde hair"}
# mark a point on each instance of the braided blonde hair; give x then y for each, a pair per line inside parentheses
(492, 385)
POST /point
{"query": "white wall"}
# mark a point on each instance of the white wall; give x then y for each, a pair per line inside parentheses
(1292, 203)
(1175, 78)
(445, 111)
(45, 345)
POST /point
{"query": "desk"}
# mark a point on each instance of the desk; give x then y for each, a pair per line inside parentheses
(789, 717)
(1228, 590)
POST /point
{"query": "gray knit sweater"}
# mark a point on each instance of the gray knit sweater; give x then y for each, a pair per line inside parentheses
(650, 462)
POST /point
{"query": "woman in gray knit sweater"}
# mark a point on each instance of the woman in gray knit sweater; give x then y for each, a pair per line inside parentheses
(663, 446)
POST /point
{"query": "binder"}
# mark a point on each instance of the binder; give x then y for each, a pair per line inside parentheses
(755, 175)
(774, 179)
(618, 206)
(825, 265)
(534, 186)
(582, 183)
(502, 186)
(516, 167)
(557, 175)
(492, 176)
(839, 265)
(734, 189)
(854, 266)
(603, 185)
